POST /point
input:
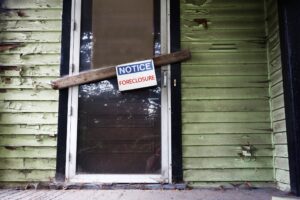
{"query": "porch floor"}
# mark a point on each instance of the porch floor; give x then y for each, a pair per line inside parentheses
(199, 194)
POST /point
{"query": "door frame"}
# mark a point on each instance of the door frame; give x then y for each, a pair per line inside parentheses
(72, 119)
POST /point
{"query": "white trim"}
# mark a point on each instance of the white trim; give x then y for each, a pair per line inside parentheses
(73, 92)
(117, 178)
(166, 174)
(165, 103)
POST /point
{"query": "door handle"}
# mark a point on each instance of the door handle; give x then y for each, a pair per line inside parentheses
(165, 79)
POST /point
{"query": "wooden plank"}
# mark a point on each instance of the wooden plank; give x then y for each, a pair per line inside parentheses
(277, 89)
(281, 151)
(224, 151)
(109, 72)
(275, 66)
(220, 4)
(276, 77)
(196, 70)
(25, 82)
(228, 46)
(223, 117)
(229, 175)
(224, 105)
(224, 93)
(28, 106)
(35, 59)
(32, 118)
(39, 164)
(30, 37)
(277, 102)
(225, 81)
(27, 140)
(281, 163)
(227, 163)
(31, 14)
(275, 52)
(30, 4)
(280, 138)
(279, 126)
(11, 163)
(235, 11)
(39, 25)
(282, 176)
(27, 152)
(224, 13)
(228, 58)
(35, 48)
(30, 71)
(35, 95)
(27, 175)
(254, 35)
(226, 139)
(7, 47)
(217, 128)
(26, 129)
(278, 115)
(221, 24)
(273, 38)
(27, 163)
(283, 187)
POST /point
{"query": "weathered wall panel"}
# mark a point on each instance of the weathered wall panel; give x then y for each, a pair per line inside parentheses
(28, 107)
(281, 166)
(225, 86)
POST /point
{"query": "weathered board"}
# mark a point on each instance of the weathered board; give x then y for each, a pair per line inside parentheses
(225, 93)
(277, 99)
(28, 108)
(110, 71)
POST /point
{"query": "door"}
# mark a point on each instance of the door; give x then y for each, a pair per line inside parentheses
(118, 136)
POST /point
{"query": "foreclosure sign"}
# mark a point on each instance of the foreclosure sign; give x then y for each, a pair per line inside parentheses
(136, 75)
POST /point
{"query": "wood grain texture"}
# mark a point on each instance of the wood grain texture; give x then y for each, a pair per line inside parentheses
(110, 71)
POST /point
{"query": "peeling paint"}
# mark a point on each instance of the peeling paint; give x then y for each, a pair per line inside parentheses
(4, 47)
(198, 2)
(21, 13)
(11, 148)
(203, 22)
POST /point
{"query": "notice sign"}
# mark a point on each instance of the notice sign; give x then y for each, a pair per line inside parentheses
(136, 75)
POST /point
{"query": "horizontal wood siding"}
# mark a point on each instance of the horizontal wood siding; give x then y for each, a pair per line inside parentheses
(28, 107)
(281, 165)
(225, 93)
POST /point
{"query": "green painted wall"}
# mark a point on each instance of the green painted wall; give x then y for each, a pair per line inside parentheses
(225, 93)
(227, 125)
(28, 107)
(281, 165)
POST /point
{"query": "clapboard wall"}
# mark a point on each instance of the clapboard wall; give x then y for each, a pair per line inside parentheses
(227, 136)
(28, 107)
(281, 166)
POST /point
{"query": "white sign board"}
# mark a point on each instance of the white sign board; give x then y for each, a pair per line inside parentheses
(136, 75)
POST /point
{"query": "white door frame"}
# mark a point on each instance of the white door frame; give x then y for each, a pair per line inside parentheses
(166, 168)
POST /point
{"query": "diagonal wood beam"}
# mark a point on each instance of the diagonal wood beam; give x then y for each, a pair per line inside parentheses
(110, 72)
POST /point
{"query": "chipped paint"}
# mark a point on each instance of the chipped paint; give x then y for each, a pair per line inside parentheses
(5, 47)
(29, 58)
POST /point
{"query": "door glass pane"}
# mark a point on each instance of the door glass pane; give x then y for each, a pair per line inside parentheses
(118, 132)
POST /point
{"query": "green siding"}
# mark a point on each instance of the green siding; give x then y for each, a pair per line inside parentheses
(28, 107)
(281, 166)
(225, 93)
